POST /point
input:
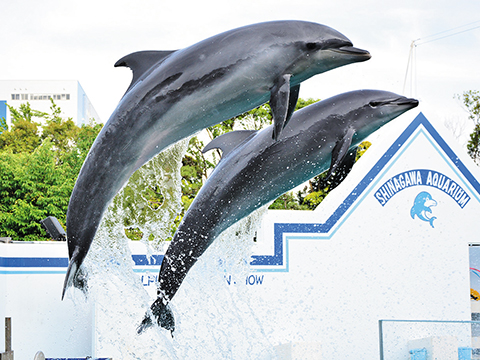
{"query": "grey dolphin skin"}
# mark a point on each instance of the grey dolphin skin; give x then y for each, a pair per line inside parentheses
(174, 94)
(255, 170)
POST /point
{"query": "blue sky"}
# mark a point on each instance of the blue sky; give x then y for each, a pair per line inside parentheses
(67, 40)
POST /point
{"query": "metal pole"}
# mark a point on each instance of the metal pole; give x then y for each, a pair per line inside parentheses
(8, 354)
(8, 334)
(380, 333)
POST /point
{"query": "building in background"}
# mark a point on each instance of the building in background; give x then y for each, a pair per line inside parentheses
(67, 94)
(3, 114)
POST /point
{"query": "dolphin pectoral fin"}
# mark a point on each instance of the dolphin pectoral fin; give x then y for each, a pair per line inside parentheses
(229, 141)
(343, 169)
(292, 102)
(280, 102)
(340, 151)
(161, 313)
(413, 212)
(141, 61)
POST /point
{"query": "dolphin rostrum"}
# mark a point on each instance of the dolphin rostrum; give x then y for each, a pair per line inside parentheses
(255, 170)
(174, 94)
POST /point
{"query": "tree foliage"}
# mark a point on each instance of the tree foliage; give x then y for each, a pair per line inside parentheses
(41, 155)
(471, 100)
(40, 158)
(291, 201)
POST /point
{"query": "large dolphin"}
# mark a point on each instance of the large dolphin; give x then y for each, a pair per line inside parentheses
(255, 169)
(174, 94)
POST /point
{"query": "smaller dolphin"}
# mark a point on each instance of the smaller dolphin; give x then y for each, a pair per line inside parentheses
(421, 207)
(255, 170)
(175, 94)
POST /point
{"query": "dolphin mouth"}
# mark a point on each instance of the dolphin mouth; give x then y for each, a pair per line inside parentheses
(401, 101)
(407, 101)
(429, 203)
(350, 50)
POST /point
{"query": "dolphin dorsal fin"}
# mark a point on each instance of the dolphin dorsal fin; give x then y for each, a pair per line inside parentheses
(141, 61)
(229, 141)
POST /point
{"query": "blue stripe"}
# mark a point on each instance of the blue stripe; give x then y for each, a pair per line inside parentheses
(34, 262)
(29, 272)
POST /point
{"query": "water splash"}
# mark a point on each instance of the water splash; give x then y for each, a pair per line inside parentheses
(116, 292)
(213, 320)
(216, 317)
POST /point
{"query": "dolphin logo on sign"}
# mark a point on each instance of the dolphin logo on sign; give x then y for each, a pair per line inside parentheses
(422, 207)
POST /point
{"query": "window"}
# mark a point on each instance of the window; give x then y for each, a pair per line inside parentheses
(40, 97)
(61, 97)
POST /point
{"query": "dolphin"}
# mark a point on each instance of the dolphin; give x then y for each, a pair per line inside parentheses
(175, 94)
(255, 169)
(422, 207)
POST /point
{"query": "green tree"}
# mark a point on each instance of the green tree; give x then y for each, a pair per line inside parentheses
(471, 100)
(80, 145)
(24, 135)
(38, 168)
(288, 201)
(3, 125)
(61, 132)
(32, 187)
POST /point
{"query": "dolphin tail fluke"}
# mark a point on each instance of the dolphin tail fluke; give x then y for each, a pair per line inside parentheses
(75, 276)
(431, 221)
(163, 315)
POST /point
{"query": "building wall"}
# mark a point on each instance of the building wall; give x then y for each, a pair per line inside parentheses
(67, 94)
(86, 111)
(31, 278)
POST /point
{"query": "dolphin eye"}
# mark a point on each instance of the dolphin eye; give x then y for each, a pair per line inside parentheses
(311, 46)
(375, 103)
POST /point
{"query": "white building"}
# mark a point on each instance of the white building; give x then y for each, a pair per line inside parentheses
(67, 94)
